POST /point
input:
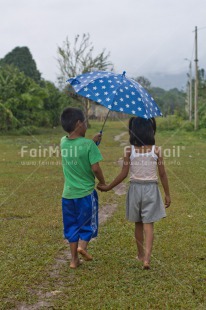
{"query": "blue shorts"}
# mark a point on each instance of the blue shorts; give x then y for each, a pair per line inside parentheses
(80, 217)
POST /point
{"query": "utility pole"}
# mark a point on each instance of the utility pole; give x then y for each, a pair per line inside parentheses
(196, 83)
(189, 93)
(190, 106)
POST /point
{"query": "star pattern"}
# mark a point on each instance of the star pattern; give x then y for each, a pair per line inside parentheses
(116, 92)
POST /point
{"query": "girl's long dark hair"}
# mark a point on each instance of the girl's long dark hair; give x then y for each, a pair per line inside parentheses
(142, 131)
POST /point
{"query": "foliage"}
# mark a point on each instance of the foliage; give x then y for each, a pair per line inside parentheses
(21, 58)
(28, 100)
(21, 95)
(187, 125)
(26, 103)
(143, 81)
(202, 99)
(202, 112)
(170, 102)
(53, 105)
(7, 120)
(171, 122)
(29, 130)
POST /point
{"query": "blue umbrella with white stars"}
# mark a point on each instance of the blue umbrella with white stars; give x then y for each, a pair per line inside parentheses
(116, 92)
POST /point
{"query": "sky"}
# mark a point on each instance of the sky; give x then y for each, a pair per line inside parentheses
(144, 37)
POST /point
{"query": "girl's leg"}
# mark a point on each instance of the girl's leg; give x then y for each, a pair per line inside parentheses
(75, 259)
(149, 237)
(139, 240)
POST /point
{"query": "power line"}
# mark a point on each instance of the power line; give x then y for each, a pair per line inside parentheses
(200, 28)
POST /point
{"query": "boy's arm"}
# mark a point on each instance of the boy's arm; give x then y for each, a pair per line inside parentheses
(163, 178)
(97, 137)
(123, 174)
(98, 173)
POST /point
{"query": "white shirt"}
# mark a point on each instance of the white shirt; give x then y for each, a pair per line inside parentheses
(143, 166)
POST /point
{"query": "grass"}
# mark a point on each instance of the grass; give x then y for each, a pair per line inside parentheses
(31, 231)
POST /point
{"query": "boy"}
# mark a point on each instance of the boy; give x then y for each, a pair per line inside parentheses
(80, 161)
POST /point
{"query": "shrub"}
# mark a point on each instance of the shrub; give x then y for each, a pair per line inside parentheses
(188, 126)
(28, 130)
(170, 122)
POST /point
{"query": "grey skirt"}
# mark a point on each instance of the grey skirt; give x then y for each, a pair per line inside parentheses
(144, 202)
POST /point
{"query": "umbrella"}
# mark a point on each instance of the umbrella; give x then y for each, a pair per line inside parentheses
(116, 92)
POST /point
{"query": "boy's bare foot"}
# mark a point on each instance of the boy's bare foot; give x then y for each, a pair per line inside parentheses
(86, 256)
(146, 266)
(75, 264)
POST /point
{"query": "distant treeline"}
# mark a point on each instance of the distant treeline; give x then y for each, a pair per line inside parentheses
(27, 100)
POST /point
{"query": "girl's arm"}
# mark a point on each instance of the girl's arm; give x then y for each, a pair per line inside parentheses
(123, 174)
(163, 178)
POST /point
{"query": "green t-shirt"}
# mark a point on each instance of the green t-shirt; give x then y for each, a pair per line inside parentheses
(77, 157)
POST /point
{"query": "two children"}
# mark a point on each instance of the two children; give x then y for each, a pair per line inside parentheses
(80, 159)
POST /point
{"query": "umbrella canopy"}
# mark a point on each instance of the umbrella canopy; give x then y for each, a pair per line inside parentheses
(116, 92)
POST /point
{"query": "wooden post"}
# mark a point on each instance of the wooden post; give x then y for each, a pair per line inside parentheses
(196, 83)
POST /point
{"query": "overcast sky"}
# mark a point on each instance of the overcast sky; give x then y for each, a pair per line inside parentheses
(144, 37)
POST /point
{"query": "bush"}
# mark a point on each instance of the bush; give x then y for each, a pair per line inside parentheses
(28, 130)
(202, 122)
(170, 122)
(188, 126)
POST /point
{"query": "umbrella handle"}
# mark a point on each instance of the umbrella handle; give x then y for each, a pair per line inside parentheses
(98, 142)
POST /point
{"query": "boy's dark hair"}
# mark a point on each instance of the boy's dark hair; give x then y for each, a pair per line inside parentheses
(69, 118)
(142, 131)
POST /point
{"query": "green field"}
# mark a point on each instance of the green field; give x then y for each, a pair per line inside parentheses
(32, 242)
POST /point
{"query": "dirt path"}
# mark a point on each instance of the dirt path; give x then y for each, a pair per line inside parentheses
(119, 138)
(63, 258)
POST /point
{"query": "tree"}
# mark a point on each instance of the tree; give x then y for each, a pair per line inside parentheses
(77, 58)
(53, 104)
(21, 58)
(21, 96)
(7, 120)
(143, 81)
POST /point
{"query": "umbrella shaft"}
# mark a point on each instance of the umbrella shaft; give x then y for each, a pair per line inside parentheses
(105, 121)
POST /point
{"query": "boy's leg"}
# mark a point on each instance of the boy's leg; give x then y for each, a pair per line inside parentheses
(75, 262)
(149, 237)
(88, 221)
(71, 229)
(82, 249)
(83, 244)
(139, 236)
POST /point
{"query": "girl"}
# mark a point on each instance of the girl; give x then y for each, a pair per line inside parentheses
(144, 204)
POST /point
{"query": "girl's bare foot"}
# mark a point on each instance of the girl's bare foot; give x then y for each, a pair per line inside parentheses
(146, 265)
(86, 256)
(75, 264)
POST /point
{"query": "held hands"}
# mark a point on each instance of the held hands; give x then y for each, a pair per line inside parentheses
(97, 137)
(167, 201)
(103, 187)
